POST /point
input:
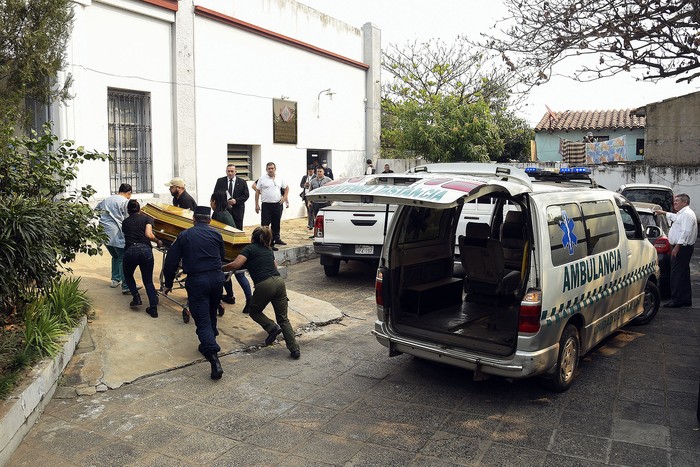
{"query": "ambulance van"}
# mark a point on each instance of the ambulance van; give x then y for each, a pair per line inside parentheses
(557, 267)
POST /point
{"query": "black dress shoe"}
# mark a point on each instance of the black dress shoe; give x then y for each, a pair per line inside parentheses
(280, 242)
(246, 308)
(216, 370)
(135, 302)
(153, 311)
(229, 300)
(274, 248)
(272, 335)
(672, 304)
(295, 354)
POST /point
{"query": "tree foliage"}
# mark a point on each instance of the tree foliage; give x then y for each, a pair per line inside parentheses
(33, 38)
(43, 222)
(660, 37)
(446, 102)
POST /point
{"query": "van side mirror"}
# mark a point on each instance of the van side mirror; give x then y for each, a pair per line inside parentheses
(652, 231)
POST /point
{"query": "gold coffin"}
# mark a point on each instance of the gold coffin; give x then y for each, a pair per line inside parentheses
(170, 220)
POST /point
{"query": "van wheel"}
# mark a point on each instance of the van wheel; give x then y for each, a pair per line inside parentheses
(567, 363)
(332, 269)
(652, 301)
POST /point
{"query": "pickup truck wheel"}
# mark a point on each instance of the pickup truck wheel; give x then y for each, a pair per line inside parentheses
(567, 363)
(652, 301)
(332, 269)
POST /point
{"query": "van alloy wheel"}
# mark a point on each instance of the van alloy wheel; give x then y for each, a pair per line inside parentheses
(652, 302)
(567, 363)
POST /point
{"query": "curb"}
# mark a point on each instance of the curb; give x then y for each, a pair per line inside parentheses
(22, 411)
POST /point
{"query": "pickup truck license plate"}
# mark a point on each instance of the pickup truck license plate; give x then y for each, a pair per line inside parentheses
(364, 249)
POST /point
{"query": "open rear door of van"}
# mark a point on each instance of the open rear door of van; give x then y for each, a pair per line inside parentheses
(420, 189)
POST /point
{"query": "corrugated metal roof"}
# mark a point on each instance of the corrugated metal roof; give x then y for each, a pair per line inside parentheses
(590, 120)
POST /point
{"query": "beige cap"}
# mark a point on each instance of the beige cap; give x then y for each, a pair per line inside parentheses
(177, 181)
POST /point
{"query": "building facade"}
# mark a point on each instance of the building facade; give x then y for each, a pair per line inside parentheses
(181, 88)
(597, 125)
(673, 131)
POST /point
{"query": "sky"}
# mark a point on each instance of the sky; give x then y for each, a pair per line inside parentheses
(401, 21)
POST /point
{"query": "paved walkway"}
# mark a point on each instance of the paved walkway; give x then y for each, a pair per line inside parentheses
(121, 344)
(345, 402)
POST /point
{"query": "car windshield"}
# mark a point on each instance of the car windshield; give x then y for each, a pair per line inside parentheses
(649, 218)
(663, 198)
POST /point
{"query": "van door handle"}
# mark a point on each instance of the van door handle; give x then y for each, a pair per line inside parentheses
(629, 252)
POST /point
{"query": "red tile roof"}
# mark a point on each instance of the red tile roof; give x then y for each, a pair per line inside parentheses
(590, 120)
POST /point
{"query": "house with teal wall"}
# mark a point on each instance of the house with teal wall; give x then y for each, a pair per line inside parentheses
(586, 126)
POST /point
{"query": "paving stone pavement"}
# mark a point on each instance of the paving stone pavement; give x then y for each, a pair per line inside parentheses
(345, 402)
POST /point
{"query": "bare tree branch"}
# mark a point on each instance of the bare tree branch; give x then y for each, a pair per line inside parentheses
(659, 37)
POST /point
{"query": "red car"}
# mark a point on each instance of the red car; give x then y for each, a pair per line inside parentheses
(660, 241)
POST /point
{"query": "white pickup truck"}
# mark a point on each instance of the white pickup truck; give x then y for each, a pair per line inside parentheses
(345, 231)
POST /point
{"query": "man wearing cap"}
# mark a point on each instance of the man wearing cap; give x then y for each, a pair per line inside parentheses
(273, 192)
(201, 250)
(237, 193)
(181, 198)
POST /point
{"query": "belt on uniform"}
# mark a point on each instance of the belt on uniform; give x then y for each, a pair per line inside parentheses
(129, 245)
(203, 272)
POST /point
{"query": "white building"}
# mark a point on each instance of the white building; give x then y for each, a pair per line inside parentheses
(181, 88)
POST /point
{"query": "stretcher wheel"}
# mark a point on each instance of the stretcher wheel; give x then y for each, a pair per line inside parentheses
(186, 315)
(222, 310)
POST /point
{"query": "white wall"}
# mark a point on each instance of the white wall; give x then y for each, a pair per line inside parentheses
(117, 48)
(238, 74)
(212, 84)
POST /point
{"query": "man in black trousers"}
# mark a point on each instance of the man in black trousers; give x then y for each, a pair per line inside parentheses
(201, 250)
(237, 192)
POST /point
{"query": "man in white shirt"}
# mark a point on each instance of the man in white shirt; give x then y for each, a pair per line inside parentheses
(273, 192)
(682, 236)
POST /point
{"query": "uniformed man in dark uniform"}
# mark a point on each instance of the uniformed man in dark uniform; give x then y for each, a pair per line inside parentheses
(201, 250)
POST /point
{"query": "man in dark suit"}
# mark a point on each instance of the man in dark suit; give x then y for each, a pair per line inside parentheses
(237, 193)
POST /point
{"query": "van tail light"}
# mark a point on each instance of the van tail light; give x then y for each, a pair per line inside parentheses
(318, 226)
(379, 287)
(662, 245)
(530, 311)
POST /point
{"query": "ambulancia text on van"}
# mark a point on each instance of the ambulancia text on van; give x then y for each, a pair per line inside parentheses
(556, 268)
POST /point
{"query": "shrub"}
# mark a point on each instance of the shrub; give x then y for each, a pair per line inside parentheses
(43, 224)
(67, 301)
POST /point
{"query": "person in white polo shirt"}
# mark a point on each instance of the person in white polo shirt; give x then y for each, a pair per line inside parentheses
(272, 191)
(682, 236)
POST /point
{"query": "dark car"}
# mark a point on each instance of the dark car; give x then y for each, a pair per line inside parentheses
(661, 243)
(648, 193)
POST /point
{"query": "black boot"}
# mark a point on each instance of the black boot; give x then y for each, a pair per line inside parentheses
(216, 370)
(246, 308)
(153, 311)
(136, 301)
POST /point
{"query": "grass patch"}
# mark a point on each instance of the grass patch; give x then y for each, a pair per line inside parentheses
(47, 319)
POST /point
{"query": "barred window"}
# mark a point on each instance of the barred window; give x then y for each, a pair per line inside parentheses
(129, 128)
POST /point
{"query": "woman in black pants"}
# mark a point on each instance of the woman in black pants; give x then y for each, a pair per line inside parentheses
(138, 234)
(259, 260)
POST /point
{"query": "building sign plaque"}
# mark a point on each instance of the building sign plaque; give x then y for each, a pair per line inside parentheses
(284, 121)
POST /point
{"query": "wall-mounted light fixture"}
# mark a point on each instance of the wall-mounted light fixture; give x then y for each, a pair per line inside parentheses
(328, 93)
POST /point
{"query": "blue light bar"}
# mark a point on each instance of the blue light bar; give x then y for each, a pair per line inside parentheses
(565, 170)
(531, 170)
(581, 170)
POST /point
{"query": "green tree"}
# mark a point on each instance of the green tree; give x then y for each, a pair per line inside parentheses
(445, 103)
(33, 38)
(660, 37)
